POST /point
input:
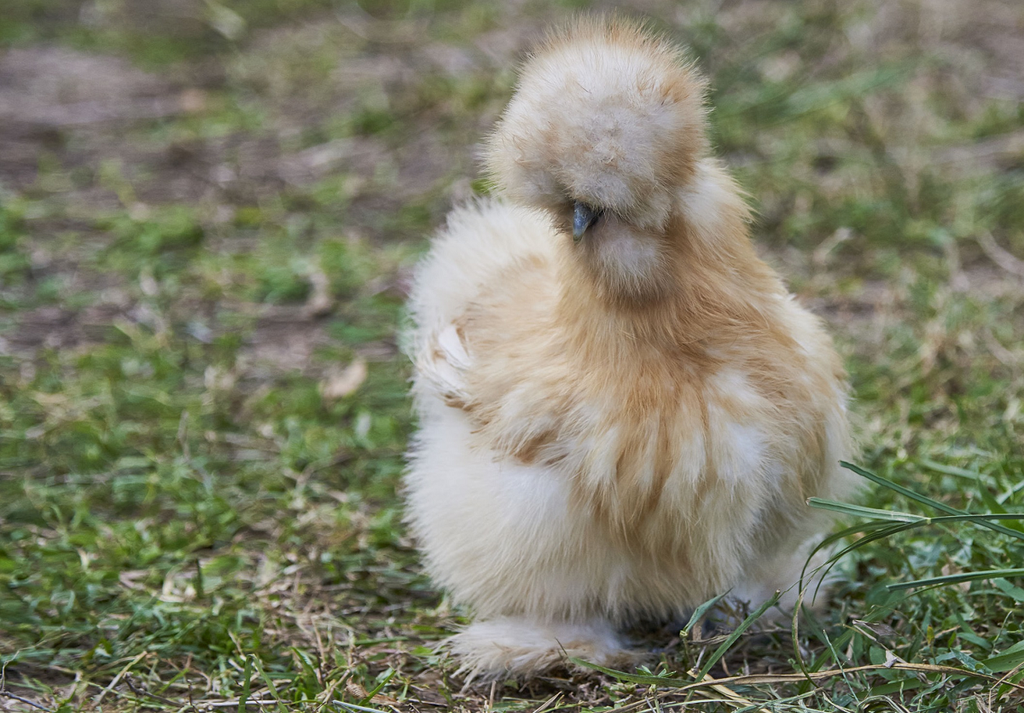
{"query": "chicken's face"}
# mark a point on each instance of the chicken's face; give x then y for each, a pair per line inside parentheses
(604, 129)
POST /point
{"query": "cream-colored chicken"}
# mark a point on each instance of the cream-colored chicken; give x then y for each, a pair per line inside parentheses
(622, 411)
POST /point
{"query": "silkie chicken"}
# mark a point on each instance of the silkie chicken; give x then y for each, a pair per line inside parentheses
(622, 411)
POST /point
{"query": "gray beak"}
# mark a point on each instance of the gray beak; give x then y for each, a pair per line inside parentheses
(583, 217)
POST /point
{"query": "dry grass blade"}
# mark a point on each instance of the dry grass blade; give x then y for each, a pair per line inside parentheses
(117, 678)
(818, 676)
(999, 255)
(731, 695)
(15, 697)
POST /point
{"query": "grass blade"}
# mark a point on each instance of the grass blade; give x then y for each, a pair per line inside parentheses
(957, 578)
(731, 639)
(876, 533)
(1007, 660)
(357, 707)
(924, 500)
(388, 675)
(637, 678)
(699, 613)
(861, 511)
(952, 470)
(243, 698)
(270, 683)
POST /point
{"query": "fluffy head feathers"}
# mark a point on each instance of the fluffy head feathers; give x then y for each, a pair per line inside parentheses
(606, 114)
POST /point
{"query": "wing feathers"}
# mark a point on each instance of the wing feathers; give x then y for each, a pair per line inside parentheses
(443, 362)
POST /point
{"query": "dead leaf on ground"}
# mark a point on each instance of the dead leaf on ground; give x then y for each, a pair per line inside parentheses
(320, 300)
(342, 383)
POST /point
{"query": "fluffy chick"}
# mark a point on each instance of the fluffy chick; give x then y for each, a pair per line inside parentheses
(622, 410)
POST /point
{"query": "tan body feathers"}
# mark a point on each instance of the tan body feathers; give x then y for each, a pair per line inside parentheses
(622, 411)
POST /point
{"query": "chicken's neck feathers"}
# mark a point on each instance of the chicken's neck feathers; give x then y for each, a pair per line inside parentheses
(707, 276)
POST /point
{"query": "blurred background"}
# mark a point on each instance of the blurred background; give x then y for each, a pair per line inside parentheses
(208, 215)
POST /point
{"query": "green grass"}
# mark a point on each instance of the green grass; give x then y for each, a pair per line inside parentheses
(198, 480)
